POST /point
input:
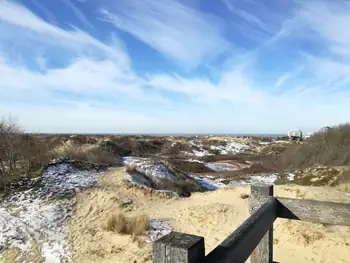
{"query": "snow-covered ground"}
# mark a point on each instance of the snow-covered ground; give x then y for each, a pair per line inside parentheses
(230, 147)
(290, 177)
(221, 166)
(155, 169)
(151, 168)
(39, 214)
(213, 183)
(159, 229)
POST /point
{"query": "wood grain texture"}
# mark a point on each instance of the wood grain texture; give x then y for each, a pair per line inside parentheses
(314, 211)
(178, 248)
(263, 253)
(240, 244)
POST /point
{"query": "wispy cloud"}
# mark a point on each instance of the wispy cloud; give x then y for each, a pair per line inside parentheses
(47, 13)
(289, 75)
(327, 19)
(15, 15)
(175, 30)
(95, 87)
(78, 14)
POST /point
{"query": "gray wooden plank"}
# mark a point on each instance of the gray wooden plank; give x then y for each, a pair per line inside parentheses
(314, 211)
(237, 247)
(178, 248)
(263, 253)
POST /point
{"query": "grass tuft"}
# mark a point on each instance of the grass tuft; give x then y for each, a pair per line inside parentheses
(135, 226)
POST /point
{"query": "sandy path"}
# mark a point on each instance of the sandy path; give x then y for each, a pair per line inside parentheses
(213, 215)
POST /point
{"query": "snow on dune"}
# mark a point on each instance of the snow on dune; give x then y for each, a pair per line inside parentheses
(159, 229)
(147, 173)
(151, 168)
(230, 147)
(224, 148)
(37, 215)
(221, 166)
(213, 183)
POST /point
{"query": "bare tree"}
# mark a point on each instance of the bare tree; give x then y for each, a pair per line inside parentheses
(20, 153)
(9, 147)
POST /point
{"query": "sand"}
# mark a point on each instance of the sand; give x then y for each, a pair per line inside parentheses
(213, 215)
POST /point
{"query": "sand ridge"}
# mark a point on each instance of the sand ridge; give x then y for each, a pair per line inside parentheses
(213, 215)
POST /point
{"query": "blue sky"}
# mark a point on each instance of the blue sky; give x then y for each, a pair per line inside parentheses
(185, 66)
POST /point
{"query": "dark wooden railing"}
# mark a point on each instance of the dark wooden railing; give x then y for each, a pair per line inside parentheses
(255, 236)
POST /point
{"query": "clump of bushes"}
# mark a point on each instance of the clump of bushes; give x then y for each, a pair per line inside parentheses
(20, 153)
(328, 148)
(134, 226)
(272, 149)
(93, 154)
(183, 184)
(323, 159)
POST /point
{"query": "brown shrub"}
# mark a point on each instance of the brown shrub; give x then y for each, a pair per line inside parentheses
(328, 148)
(135, 226)
(190, 167)
(244, 196)
(93, 155)
(183, 184)
(131, 168)
(20, 153)
(273, 149)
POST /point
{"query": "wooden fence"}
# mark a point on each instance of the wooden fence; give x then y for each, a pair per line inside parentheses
(255, 236)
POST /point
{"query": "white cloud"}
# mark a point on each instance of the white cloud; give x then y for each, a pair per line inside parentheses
(175, 30)
(80, 119)
(328, 18)
(235, 102)
(17, 16)
(326, 22)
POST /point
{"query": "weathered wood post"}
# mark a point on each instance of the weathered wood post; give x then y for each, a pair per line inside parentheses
(178, 248)
(263, 253)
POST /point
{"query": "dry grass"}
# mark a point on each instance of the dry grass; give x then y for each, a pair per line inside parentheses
(134, 226)
(330, 148)
(88, 154)
(131, 168)
(272, 149)
(343, 187)
(183, 185)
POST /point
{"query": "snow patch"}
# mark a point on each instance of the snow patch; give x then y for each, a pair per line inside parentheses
(37, 215)
(230, 147)
(213, 183)
(151, 168)
(290, 177)
(159, 229)
(220, 167)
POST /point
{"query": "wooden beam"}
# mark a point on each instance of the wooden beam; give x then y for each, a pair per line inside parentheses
(237, 247)
(178, 248)
(314, 211)
(263, 253)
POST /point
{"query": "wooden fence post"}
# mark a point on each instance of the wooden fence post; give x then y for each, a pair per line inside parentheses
(178, 248)
(263, 253)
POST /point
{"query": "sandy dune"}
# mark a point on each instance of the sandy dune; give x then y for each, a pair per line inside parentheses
(213, 215)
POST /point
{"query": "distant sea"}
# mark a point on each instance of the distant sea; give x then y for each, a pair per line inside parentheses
(176, 134)
(212, 134)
